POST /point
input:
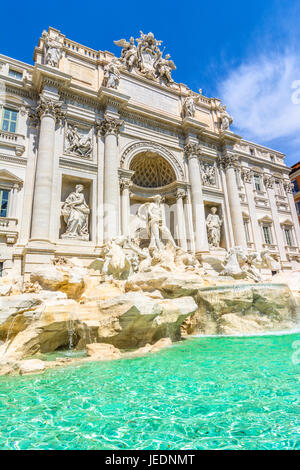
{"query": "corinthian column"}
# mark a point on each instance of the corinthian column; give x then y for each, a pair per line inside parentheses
(49, 111)
(228, 163)
(180, 195)
(201, 244)
(110, 128)
(269, 182)
(247, 176)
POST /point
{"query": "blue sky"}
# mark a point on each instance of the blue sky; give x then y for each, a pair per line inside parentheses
(246, 53)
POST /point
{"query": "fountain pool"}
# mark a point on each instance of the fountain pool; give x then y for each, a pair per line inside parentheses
(202, 393)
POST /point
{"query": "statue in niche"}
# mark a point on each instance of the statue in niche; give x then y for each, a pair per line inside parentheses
(75, 212)
(129, 56)
(53, 49)
(189, 106)
(77, 144)
(214, 224)
(208, 174)
(112, 74)
(226, 119)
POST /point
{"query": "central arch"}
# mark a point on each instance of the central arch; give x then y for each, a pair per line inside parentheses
(151, 171)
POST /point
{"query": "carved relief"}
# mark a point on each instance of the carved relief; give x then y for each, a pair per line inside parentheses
(288, 186)
(75, 212)
(208, 174)
(77, 144)
(53, 49)
(146, 58)
(192, 149)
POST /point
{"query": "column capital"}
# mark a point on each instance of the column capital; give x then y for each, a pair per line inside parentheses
(228, 161)
(125, 183)
(180, 193)
(269, 181)
(288, 186)
(50, 107)
(247, 175)
(192, 149)
(109, 125)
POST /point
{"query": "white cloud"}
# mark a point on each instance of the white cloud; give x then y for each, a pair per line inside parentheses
(263, 96)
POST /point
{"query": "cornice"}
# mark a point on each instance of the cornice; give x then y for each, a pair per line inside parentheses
(81, 164)
(45, 74)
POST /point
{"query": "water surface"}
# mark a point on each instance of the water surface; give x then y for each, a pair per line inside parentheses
(203, 393)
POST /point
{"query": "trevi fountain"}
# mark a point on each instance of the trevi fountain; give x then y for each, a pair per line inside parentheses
(126, 323)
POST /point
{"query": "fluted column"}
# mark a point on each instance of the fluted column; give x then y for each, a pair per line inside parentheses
(180, 195)
(229, 162)
(110, 128)
(201, 244)
(247, 176)
(49, 111)
(288, 186)
(125, 185)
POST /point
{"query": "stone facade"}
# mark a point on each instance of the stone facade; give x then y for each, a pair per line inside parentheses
(88, 138)
(295, 180)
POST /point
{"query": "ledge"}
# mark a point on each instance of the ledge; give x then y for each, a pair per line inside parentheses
(14, 141)
(8, 229)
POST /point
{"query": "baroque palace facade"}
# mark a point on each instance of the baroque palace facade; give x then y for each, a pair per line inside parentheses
(88, 138)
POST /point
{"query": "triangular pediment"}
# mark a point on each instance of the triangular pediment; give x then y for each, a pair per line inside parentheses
(9, 177)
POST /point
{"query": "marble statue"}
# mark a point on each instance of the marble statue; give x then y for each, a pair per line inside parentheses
(116, 262)
(164, 67)
(226, 119)
(129, 57)
(53, 50)
(189, 106)
(270, 262)
(146, 58)
(75, 212)
(112, 74)
(208, 174)
(214, 224)
(77, 144)
(151, 213)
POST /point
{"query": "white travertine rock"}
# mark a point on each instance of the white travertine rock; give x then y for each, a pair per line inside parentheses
(31, 365)
(103, 351)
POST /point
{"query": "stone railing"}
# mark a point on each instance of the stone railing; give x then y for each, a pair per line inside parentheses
(12, 140)
(8, 229)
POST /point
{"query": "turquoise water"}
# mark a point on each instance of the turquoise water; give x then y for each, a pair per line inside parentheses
(204, 393)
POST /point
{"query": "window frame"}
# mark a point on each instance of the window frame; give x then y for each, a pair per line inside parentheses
(2, 189)
(11, 109)
(12, 71)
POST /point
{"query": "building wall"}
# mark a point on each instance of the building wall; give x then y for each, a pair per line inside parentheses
(295, 179)
(250, 185)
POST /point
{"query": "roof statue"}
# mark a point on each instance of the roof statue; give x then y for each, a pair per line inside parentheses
(146, 58)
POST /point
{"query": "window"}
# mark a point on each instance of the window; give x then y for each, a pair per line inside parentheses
(252, 152)
(296, 187)
(288, 236)
(1, 269)
(246, 228)
(267, 234)
(257, 182)
(4, 194)
(298, 207)
(9, 121)
(15, 74)
(272, 158)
